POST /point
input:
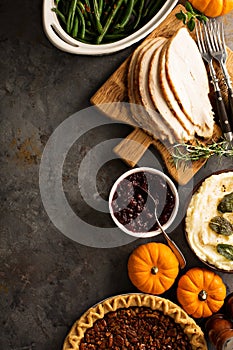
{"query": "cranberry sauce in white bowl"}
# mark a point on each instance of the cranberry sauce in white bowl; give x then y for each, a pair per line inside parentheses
(132, 209)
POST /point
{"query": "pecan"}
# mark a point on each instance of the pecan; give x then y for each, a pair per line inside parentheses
(119, 340)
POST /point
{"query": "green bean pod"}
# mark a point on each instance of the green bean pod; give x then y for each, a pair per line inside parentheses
(97, 16)
(82, 23)
(83, 9)
(75, 28)
(109, 21)
(89, 12)
(139, 17)
(59, 14)
(127, 14)
(70, 21)
(101, 5)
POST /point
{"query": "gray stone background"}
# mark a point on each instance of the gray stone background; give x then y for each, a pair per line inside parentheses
(47, 280)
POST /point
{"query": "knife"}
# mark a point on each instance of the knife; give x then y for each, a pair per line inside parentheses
(221, 109)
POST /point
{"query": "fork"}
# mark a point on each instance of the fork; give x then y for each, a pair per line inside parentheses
(202, 42)
(217, 47)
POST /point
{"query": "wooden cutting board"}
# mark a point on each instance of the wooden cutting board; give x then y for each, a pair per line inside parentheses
(134, 146)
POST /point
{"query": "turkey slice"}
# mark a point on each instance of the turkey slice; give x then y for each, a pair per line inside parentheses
(137, 109)
(155, 114)
(182, 131)
(187, 77)
(148, 119)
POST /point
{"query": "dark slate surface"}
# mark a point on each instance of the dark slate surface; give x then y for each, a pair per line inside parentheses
(46, 279)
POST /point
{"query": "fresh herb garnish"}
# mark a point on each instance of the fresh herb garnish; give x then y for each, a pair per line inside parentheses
(190, 16)
(226, 250)
(226, 204)
(221, 226)
(183, 153)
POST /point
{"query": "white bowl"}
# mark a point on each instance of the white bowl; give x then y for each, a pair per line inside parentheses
(64, 42)
(170, 184)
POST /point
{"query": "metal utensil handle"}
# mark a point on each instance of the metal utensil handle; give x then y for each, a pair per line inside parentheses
(221, 109)
(230, 106)
(179, 255)
(177, 252)
(230, 93)
(222, 114)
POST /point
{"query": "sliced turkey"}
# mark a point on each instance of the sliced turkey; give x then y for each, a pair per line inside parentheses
(182, 127)
(188, 80)
(142, 70)
(147, 118)
(138, 112)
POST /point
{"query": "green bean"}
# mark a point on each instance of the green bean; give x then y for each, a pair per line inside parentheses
(75, 28)
(70, 21)
(97, 17)
(141, 6)
(88, 10)
(109, 21)
(86, 40)
(82, 23)
(59, 14)
(127, 14)
(117, 19)
(115, 36)
(101, 5)
(90, 33)
(82, 8)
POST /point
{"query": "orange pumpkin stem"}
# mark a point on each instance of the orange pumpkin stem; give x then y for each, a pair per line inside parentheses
(202, 296)
(154, 270)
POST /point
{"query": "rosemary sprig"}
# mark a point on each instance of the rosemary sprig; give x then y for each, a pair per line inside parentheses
(184, 153)
(190, 16)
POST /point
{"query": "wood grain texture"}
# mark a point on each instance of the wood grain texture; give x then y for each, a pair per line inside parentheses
(132, 148)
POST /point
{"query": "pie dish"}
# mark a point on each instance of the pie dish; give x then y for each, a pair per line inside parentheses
(121, 322)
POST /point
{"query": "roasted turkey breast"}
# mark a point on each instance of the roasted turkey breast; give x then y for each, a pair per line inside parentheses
(187, 76)
(168, 89)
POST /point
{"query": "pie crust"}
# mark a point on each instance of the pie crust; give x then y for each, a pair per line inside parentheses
(190, 328)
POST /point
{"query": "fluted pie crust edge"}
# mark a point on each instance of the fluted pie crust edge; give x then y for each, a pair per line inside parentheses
(190, 328)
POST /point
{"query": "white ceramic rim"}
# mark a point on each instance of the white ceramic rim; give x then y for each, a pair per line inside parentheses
(64, 42)
(174, 212)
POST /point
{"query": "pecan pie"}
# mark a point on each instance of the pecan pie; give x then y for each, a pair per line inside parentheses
(135, 322)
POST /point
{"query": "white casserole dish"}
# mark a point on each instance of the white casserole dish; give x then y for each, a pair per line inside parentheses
(64, 42)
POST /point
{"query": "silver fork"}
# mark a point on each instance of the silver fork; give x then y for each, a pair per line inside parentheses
(217, 47)
(202, 35)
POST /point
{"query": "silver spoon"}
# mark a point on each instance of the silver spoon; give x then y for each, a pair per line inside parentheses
(170, 242)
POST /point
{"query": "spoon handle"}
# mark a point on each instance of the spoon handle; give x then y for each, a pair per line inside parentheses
(177, 252)
(180, 257)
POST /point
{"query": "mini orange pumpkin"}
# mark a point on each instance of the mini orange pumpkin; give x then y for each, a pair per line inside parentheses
(153, 267)
(201, 292)
(213, 8)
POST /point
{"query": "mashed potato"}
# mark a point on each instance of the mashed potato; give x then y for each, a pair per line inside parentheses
(202, 208)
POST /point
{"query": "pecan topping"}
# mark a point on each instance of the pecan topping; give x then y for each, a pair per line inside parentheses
(135, 328)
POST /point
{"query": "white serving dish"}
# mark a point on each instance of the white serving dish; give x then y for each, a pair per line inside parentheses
(173, 214)
(64, 42)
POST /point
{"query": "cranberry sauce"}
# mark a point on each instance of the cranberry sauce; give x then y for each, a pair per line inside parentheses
(134, 209)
